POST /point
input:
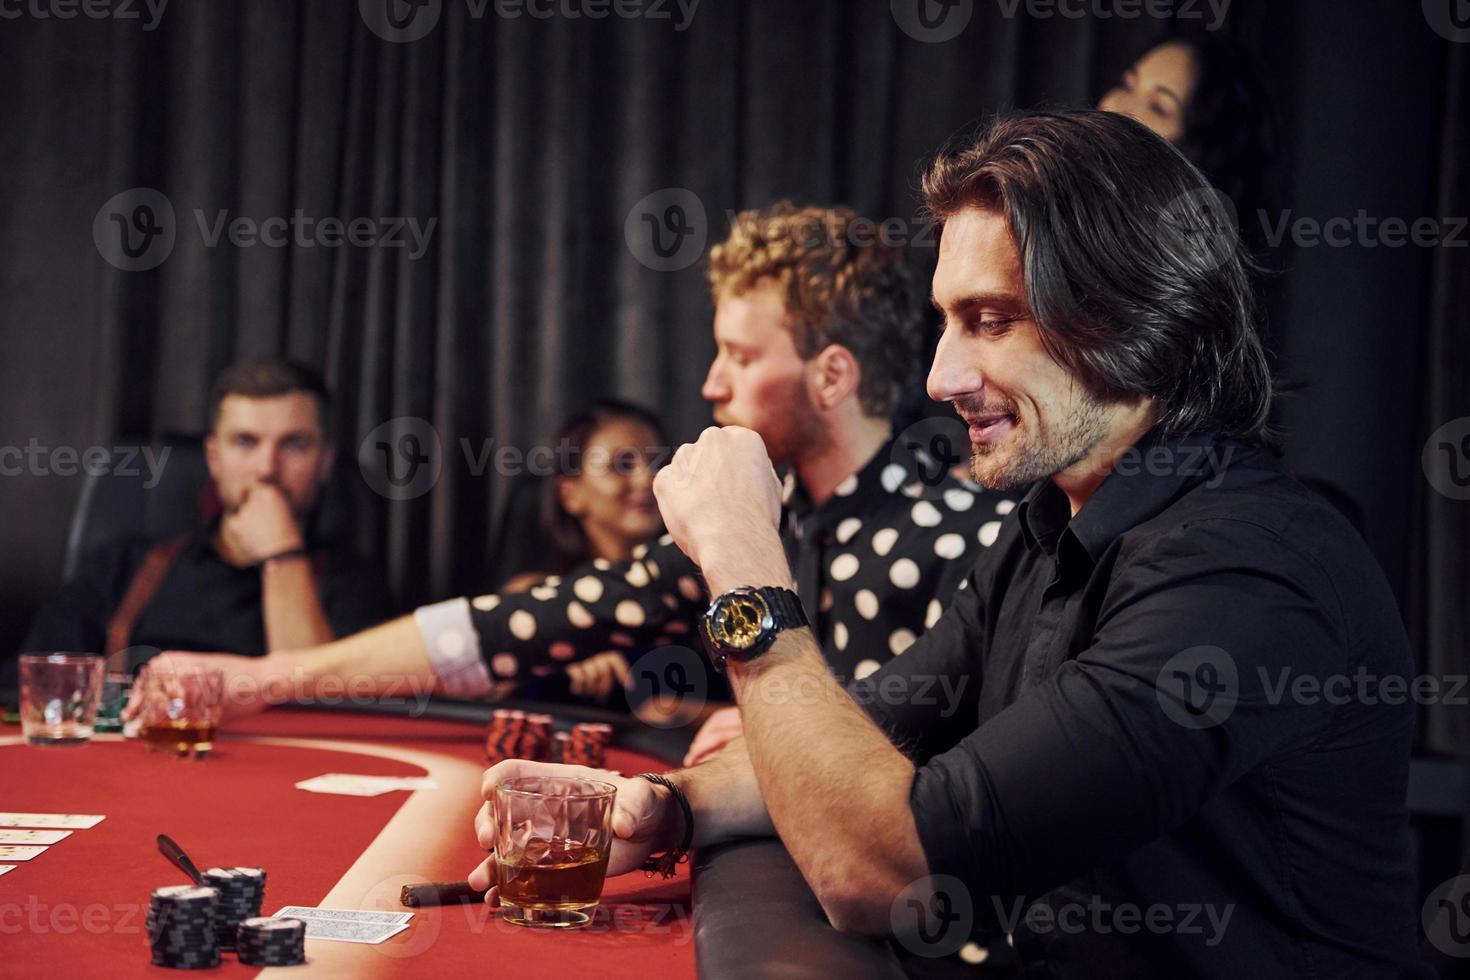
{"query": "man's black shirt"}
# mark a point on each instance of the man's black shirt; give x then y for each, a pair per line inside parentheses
(1184, 744)
(203, 602)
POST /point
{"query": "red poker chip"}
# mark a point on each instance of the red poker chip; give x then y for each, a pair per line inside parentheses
(503, 744)
(592, 732)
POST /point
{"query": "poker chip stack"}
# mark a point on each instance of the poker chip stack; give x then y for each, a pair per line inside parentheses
(517, 735)
(542, 727)
(240, 893)
(181, 927)
(271, 942)
(587, 744)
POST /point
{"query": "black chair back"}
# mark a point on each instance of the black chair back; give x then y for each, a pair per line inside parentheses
(153, 494)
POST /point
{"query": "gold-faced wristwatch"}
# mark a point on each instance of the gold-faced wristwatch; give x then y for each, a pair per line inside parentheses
(743, 623)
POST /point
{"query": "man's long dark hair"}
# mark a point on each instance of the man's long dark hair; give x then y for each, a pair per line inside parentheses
(1135, 283)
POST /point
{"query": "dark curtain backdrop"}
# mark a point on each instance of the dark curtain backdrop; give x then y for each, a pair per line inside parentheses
(1439, 613)
(528, 142)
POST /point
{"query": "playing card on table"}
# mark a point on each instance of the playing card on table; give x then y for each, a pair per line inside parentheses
(18, 853)
(4, 868)
(347, 784)
(33, 836)
(347, 925)
(76, 821)
(341, 785)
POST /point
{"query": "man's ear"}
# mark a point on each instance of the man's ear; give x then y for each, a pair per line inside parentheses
(211, 456)
(835, 376)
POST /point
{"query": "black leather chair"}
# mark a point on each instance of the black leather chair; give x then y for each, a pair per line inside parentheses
(125, 501)
(520, 544)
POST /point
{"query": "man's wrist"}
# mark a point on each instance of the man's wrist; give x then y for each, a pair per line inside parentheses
(759, 565)
(285, 551)
(745, 675)
(671, 820)
(288, 676)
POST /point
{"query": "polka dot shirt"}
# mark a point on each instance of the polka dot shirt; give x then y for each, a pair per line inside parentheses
(875, 566)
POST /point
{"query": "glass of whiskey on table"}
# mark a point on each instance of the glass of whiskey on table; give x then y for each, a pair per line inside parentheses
(553, 836)
(180, 709)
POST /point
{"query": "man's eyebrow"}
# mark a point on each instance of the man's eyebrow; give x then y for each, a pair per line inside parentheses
(964, 304)
(289, 434)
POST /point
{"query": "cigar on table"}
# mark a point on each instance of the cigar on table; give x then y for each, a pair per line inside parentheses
(438, 893)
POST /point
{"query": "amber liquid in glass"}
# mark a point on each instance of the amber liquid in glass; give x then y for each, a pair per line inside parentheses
(552, 874)
(182, 737)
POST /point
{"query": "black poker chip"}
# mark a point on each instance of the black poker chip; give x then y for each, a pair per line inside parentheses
(262, 941)
(181, 921)
(188, 925)
(241, 891)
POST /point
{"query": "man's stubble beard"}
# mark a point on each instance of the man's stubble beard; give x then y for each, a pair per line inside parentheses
(799, 435)
(1080, 434)
(802, 437)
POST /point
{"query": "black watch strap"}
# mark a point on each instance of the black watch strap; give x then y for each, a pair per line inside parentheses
(786, 610)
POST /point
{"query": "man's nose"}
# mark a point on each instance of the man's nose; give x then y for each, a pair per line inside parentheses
(268, 464)
(952, 375)
(714, 388)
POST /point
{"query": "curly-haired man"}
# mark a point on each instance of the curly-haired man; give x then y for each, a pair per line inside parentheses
(817, 329)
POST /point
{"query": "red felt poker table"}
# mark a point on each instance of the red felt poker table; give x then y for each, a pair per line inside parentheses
(77, 909)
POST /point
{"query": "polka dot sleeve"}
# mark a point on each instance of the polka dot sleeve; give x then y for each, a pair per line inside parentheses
(647, 601)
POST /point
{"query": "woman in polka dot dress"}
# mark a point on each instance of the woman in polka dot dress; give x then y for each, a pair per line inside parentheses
(600, 506)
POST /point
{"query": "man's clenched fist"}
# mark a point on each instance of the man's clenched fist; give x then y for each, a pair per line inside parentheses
(261, 526)
(721, 501)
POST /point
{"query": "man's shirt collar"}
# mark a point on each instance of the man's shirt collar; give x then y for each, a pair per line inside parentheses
(1147, 478)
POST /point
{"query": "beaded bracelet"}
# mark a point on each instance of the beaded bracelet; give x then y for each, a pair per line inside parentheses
(665, 863)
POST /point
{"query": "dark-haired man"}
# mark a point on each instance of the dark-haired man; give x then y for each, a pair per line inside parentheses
(1135, 780)
(818, 328)
(252, 579)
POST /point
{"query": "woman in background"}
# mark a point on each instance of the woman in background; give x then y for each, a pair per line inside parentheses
(600, 509)
(1200, 91)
